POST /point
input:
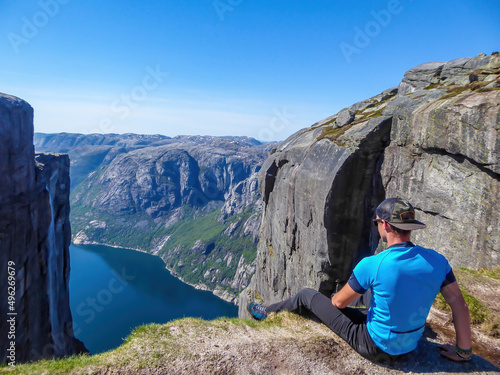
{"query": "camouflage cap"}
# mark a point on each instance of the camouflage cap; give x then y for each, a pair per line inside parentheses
(399, 213)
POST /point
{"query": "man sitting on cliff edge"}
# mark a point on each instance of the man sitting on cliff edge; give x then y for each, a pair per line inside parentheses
(404, 281)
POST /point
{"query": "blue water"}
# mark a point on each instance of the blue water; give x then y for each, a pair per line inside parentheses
(112, 291)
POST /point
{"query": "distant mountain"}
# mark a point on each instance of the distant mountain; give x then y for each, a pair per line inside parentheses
(87, 151)
(193, 200)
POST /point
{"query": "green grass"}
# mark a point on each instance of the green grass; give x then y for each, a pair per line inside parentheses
(192, 265)
(155, 345)
(374, 114)
(119, 231)
(335, 133)
(433, 86)
(60, 366)
(457, 90)
(480, 314)
(207, 228)
(478, 311)
(493, 273)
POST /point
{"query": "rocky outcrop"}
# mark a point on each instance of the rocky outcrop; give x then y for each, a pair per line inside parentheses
(242, 196)
(34, 242)
(434, 140)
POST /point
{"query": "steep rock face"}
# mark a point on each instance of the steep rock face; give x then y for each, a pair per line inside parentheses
(303, 240)
(448, 159)
(243, 195)
(52, 180)
(156, 175)
(434, 140)
(34, 240)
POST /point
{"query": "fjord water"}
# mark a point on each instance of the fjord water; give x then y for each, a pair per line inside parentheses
(113, 290)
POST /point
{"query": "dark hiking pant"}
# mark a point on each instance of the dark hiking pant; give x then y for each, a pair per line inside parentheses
(348, 323)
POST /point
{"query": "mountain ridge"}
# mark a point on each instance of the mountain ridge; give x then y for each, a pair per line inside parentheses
(131, 190)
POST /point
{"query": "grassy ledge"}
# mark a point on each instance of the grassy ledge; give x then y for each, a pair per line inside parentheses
(161, 345)
(194, 342)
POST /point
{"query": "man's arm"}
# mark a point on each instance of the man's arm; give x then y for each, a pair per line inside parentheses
(344, 297)
(461, 320)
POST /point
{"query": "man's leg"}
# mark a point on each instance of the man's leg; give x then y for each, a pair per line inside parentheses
(296, 303)
(347, 323)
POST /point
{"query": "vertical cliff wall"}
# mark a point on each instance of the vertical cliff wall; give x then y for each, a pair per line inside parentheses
(445, 157)
(34, 242)
(434, 140)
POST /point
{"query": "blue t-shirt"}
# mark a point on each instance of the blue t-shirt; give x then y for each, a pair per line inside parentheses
(404, 281)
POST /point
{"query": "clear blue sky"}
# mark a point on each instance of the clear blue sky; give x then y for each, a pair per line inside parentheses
(258, 68)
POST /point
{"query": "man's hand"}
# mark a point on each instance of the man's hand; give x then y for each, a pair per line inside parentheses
(450, 351)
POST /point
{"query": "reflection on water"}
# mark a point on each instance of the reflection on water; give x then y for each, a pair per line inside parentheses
(112, 291)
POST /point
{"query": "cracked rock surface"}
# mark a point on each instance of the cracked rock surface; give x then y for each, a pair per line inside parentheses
(434, 140)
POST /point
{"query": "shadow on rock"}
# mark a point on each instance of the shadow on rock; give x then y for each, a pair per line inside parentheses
(427, 359)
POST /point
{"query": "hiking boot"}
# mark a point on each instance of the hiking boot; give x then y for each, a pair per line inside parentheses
(257, 310)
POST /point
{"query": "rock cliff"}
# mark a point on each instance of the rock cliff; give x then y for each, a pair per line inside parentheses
(433, 140)
(34, 242)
